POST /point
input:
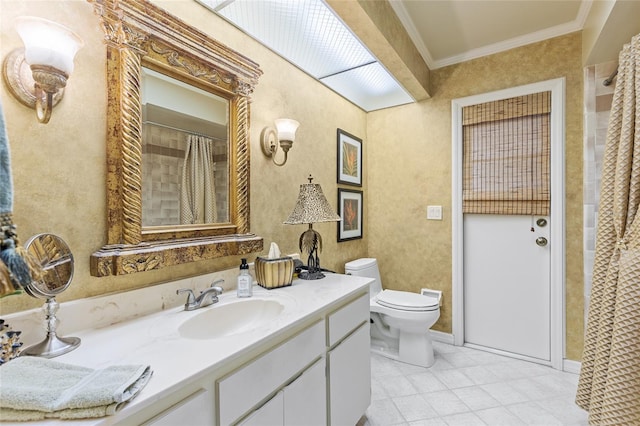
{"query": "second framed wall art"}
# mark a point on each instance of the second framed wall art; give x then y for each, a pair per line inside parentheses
(350, 205)
(349, 159)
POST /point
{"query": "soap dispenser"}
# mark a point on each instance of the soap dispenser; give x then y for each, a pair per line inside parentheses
(245, 282)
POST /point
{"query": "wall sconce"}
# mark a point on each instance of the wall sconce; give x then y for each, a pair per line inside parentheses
(37, 74)
(284, 134)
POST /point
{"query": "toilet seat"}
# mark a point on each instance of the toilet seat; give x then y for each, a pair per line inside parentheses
(406, 301)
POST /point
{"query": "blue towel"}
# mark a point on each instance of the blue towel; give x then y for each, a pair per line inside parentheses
(16, 267)
(6, 182)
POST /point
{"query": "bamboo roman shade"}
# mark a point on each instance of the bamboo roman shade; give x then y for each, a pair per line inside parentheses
(506, 156)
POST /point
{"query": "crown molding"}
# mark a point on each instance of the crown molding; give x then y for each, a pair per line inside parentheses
(576, 25)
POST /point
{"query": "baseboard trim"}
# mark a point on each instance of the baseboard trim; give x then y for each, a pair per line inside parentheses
(568, 365)
(571, 366)
(442, 337)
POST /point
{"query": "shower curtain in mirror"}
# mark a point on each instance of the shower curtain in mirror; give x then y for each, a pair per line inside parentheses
(609, 386)
(197, 195)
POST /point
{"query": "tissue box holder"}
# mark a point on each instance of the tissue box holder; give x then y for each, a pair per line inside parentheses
(274, 273)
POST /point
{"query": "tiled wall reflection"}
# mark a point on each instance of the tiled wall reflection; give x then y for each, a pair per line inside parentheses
(162, 162)
(597, 99)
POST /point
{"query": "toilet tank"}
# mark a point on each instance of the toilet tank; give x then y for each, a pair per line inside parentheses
(368, 268)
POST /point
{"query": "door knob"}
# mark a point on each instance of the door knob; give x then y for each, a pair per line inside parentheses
(541, 241)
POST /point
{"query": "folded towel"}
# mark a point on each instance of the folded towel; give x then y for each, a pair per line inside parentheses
(33, 388)
(10, 415)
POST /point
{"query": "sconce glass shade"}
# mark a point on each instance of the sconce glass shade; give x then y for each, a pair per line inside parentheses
(312, 206)
(48, 43)
(37, 74)
(286, 129)
(282, 136)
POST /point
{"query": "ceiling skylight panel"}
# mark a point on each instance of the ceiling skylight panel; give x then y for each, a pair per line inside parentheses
(309, 35)
(333, 41)
(305, 32)
(370, 87)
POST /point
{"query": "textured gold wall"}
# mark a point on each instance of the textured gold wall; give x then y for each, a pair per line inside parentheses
(409, 162)
(59, 168)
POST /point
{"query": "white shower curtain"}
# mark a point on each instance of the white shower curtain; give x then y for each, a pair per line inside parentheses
(197, 195)
(609, 386)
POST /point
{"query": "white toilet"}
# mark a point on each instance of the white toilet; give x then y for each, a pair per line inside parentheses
(400, 320)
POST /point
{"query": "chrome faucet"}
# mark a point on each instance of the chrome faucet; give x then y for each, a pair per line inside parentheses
(207, 297)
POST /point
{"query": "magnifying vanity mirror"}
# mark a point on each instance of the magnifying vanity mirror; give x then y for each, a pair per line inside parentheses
(56, 260)
(177, 144)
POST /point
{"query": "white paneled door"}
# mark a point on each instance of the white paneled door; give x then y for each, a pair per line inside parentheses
(507, 284)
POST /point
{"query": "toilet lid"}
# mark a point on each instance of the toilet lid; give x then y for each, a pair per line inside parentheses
(406, 301)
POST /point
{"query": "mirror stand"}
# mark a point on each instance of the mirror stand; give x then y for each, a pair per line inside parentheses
(52, 345)
(56, 260)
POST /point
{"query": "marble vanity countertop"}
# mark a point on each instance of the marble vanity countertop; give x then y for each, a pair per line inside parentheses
(155, 339)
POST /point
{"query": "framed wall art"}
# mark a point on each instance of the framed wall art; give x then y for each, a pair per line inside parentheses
(350, 210)
(349, 159)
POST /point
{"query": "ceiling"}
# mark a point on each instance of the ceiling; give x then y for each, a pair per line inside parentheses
(446, 32)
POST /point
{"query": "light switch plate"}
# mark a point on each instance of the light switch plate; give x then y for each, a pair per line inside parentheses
(434, 212)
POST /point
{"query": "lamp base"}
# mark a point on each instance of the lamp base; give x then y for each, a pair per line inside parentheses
(318, 275)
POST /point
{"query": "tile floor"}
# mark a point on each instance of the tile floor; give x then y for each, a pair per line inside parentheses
(471, 387)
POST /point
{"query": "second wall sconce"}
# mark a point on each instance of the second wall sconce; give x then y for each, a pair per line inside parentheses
(283, 135)
(37, 74)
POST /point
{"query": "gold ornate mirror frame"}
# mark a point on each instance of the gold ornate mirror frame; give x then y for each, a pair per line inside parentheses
(137, 34)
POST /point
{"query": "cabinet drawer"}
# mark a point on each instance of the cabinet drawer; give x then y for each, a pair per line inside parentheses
(243, 389)
(198, 408)
(271, 413)
(305, 400)
(348, 318)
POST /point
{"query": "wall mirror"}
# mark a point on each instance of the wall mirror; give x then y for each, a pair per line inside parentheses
(177, 142)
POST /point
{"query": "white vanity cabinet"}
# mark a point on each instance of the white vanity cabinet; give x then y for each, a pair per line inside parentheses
(308, 365)
(322, 376)
(243, 389)
(302, 402)
(349, 362)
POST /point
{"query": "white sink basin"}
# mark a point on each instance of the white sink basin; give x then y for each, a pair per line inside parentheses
(230, 319)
